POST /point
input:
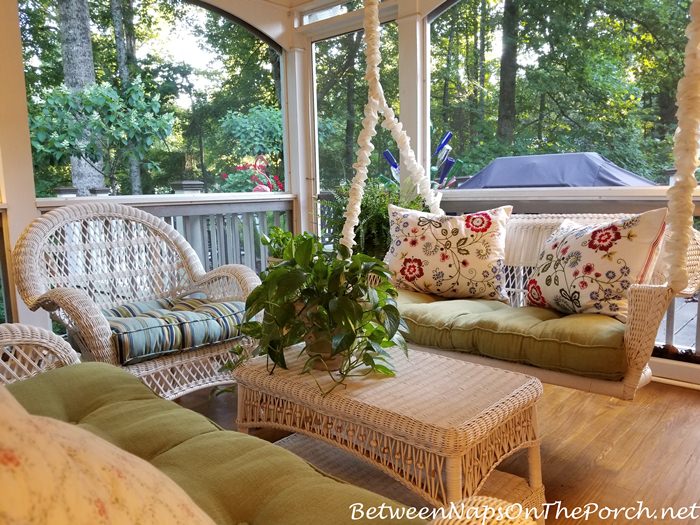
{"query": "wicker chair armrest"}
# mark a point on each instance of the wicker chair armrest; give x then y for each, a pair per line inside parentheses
(85, 322)
(228, 282)
(28, 351)
(647, 306)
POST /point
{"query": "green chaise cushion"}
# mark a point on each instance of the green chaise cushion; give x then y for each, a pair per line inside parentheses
(233, 477)
(589, 345)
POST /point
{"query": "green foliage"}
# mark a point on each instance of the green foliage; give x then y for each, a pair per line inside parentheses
(98, 124)
(372, 233)
(256, 132)
(325, 299)
(276, 241)
(593, 77)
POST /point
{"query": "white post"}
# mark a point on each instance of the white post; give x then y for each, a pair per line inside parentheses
(300, 157)
(16, 175)
(414, 73)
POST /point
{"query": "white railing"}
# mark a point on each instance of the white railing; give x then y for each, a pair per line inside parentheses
(222, 228)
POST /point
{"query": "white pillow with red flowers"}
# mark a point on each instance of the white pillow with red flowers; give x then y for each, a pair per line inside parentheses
(451, 256)
(588, 269)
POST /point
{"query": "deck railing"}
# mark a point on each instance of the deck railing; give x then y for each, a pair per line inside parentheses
(222, 228)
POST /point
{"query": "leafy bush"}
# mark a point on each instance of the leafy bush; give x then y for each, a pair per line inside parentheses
(372, 233)
(97, 124)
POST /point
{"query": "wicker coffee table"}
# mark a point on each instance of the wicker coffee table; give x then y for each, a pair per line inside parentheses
(440, 426)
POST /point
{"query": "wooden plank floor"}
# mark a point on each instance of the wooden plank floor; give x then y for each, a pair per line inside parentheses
(595, 449)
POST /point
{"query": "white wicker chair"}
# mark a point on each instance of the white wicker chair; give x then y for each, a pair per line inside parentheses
(77, 260)
(26, 351)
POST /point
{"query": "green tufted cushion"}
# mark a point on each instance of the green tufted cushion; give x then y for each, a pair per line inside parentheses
(149, 329)
(233, 477)
(589, 345)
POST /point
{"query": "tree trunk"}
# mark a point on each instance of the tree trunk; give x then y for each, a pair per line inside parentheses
(274, 57)
(482, 59)
(120, 41)
(448, 74)
(540, 117)
(78, 72)
(474, 77)
(509, 70)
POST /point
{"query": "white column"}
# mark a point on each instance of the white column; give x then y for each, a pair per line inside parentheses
(16, 175)
(414, 73)
(300, 132)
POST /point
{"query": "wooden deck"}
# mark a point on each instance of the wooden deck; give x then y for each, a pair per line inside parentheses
(686, 318)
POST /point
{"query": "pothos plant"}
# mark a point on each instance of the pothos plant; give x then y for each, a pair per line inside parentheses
(341, 306)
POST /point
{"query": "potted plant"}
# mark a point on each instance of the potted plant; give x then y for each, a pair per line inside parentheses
(276, 240)
(342, 308)
(372, 232)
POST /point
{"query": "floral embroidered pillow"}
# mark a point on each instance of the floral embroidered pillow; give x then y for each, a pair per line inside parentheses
(588, 269)
(451, 256)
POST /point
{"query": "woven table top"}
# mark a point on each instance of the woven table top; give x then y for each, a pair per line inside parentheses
(435, 401)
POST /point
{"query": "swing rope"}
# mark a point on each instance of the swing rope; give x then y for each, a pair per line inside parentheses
(376, 105)
(685, 152)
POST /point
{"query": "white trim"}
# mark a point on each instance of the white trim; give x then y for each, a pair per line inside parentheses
(300, 144)
(561, 200)
(412, 88)
(347, 23)
(275, 23)
(677, 371)
(673, 382)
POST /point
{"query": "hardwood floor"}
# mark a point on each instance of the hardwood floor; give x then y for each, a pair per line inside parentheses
(595, 449)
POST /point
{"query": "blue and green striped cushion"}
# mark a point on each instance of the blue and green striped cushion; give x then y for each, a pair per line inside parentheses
(141, 338)
(135, 308)
(168, 326)
(228, 315)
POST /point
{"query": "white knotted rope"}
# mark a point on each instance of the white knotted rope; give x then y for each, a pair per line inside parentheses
(376, 104)
(685, 152)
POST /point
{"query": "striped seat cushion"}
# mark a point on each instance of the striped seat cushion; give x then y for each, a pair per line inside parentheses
(150, 329)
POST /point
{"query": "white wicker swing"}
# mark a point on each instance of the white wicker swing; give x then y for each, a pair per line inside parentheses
(525, 233)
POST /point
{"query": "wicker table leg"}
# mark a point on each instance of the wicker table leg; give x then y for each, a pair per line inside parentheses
(241, 425)
(534, 463)
(453, 479)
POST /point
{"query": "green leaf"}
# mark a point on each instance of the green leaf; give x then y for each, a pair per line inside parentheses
(392, 320)
(384, 370)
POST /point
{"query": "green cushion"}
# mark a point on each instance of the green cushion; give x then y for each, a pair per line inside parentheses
(149, 329)
(589, 345)
(233, 477)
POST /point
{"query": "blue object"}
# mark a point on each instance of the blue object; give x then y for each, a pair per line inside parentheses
(443, 142)
(445, 168)
(554, 170)
(390, 159)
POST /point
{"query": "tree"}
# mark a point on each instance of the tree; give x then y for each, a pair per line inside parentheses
(509, 71)
(98, 126)
(120, 40)
(78, 73)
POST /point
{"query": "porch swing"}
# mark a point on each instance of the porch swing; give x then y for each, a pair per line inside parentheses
(525, 235)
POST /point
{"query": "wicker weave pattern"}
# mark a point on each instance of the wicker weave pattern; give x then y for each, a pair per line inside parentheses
(26, 351)
(76, 260)
(479, 503)
(439, 427)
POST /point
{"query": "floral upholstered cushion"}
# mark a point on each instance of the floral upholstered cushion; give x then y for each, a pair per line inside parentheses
(55, 472)
(451, 256)
(588, 269)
